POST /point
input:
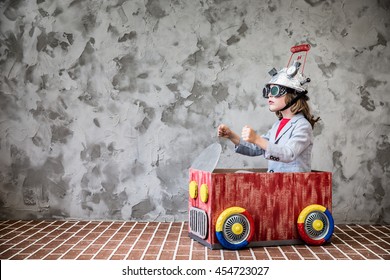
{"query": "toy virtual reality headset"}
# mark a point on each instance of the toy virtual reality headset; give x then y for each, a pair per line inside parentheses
(289, 79)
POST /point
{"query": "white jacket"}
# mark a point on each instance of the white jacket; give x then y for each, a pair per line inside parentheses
(290, 151)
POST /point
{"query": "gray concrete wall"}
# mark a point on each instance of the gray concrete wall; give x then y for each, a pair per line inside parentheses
(105, 104)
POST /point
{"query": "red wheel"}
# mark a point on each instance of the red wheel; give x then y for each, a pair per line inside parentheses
(234, 228)
(315, 225)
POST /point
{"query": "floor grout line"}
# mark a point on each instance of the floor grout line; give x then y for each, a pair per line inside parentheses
(283, 254)
(388, 235)
(164, 241)
(327, 252)
(70, 239)
(252, 253)
(379, 229)
(136, 240)
(33, 242)
(268, 255)
(363, 244)
(311, 251)
(350, 246)
(297, 252)
(177, 243)
(102, 245)
(9, 226)
(53, 249)
(237, 255)
(150, 241)
(20, 234)
(123, 239)
(191, 249)
(73, 235)
(13, 229)
(334, 246)
(98, 225)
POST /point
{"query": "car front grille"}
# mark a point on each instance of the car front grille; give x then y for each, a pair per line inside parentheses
(198, 222)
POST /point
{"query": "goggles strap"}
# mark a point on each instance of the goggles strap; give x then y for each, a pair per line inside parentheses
(294, 100)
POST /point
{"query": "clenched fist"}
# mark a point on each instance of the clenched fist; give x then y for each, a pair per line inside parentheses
(224, 131)
(248, 134)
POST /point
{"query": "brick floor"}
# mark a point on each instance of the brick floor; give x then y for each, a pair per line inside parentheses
(120, 240)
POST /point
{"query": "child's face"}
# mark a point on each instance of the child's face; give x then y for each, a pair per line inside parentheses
(276, 103)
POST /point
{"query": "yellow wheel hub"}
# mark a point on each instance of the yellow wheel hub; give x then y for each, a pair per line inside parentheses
(318, 225)
(237, 228)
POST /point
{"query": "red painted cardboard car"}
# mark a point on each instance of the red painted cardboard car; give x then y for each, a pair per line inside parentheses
(238, 208)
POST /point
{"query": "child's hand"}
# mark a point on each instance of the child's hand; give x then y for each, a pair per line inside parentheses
(248, 134)
(224, 131)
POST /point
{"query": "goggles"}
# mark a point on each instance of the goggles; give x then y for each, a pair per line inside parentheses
(274, 90)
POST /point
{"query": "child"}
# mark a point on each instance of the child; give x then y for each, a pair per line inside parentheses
(288, 144)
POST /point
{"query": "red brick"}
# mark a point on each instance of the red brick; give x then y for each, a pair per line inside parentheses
(135, 255)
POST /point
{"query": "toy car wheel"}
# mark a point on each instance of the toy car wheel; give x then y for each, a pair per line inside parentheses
(234, 228)
(315, 225)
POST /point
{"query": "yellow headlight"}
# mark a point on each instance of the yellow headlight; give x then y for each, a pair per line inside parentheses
(193, 189)
(204, 193)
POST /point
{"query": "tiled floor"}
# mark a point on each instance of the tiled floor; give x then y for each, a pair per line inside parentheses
(119, 240)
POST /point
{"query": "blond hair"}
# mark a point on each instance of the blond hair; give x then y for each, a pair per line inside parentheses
(300, 106)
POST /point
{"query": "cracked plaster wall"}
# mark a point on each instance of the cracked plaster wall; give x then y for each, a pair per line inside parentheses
(105, 104)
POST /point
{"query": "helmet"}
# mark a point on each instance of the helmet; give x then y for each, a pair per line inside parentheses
(289, 77)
